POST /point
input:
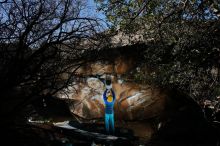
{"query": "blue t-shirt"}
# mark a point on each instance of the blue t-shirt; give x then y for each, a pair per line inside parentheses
(109, 106)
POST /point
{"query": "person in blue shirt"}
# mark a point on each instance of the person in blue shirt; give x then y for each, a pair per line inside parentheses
(109, 100)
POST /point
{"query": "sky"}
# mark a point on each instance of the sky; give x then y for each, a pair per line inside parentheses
(92, 11)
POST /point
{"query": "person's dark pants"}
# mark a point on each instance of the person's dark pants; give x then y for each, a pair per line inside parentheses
(109, 123)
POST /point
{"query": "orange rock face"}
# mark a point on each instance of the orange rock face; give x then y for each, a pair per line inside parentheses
(133, 101)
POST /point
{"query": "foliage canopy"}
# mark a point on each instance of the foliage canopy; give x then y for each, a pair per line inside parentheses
(184, 50)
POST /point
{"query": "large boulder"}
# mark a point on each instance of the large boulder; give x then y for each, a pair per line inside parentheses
(133, 101)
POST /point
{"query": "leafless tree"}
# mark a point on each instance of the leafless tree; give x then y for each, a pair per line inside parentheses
(40, 43)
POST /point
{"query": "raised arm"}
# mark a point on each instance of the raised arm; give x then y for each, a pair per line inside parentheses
(104, 96)
(113, 95)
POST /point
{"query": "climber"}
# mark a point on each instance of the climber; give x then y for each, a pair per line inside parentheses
(109, 99)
